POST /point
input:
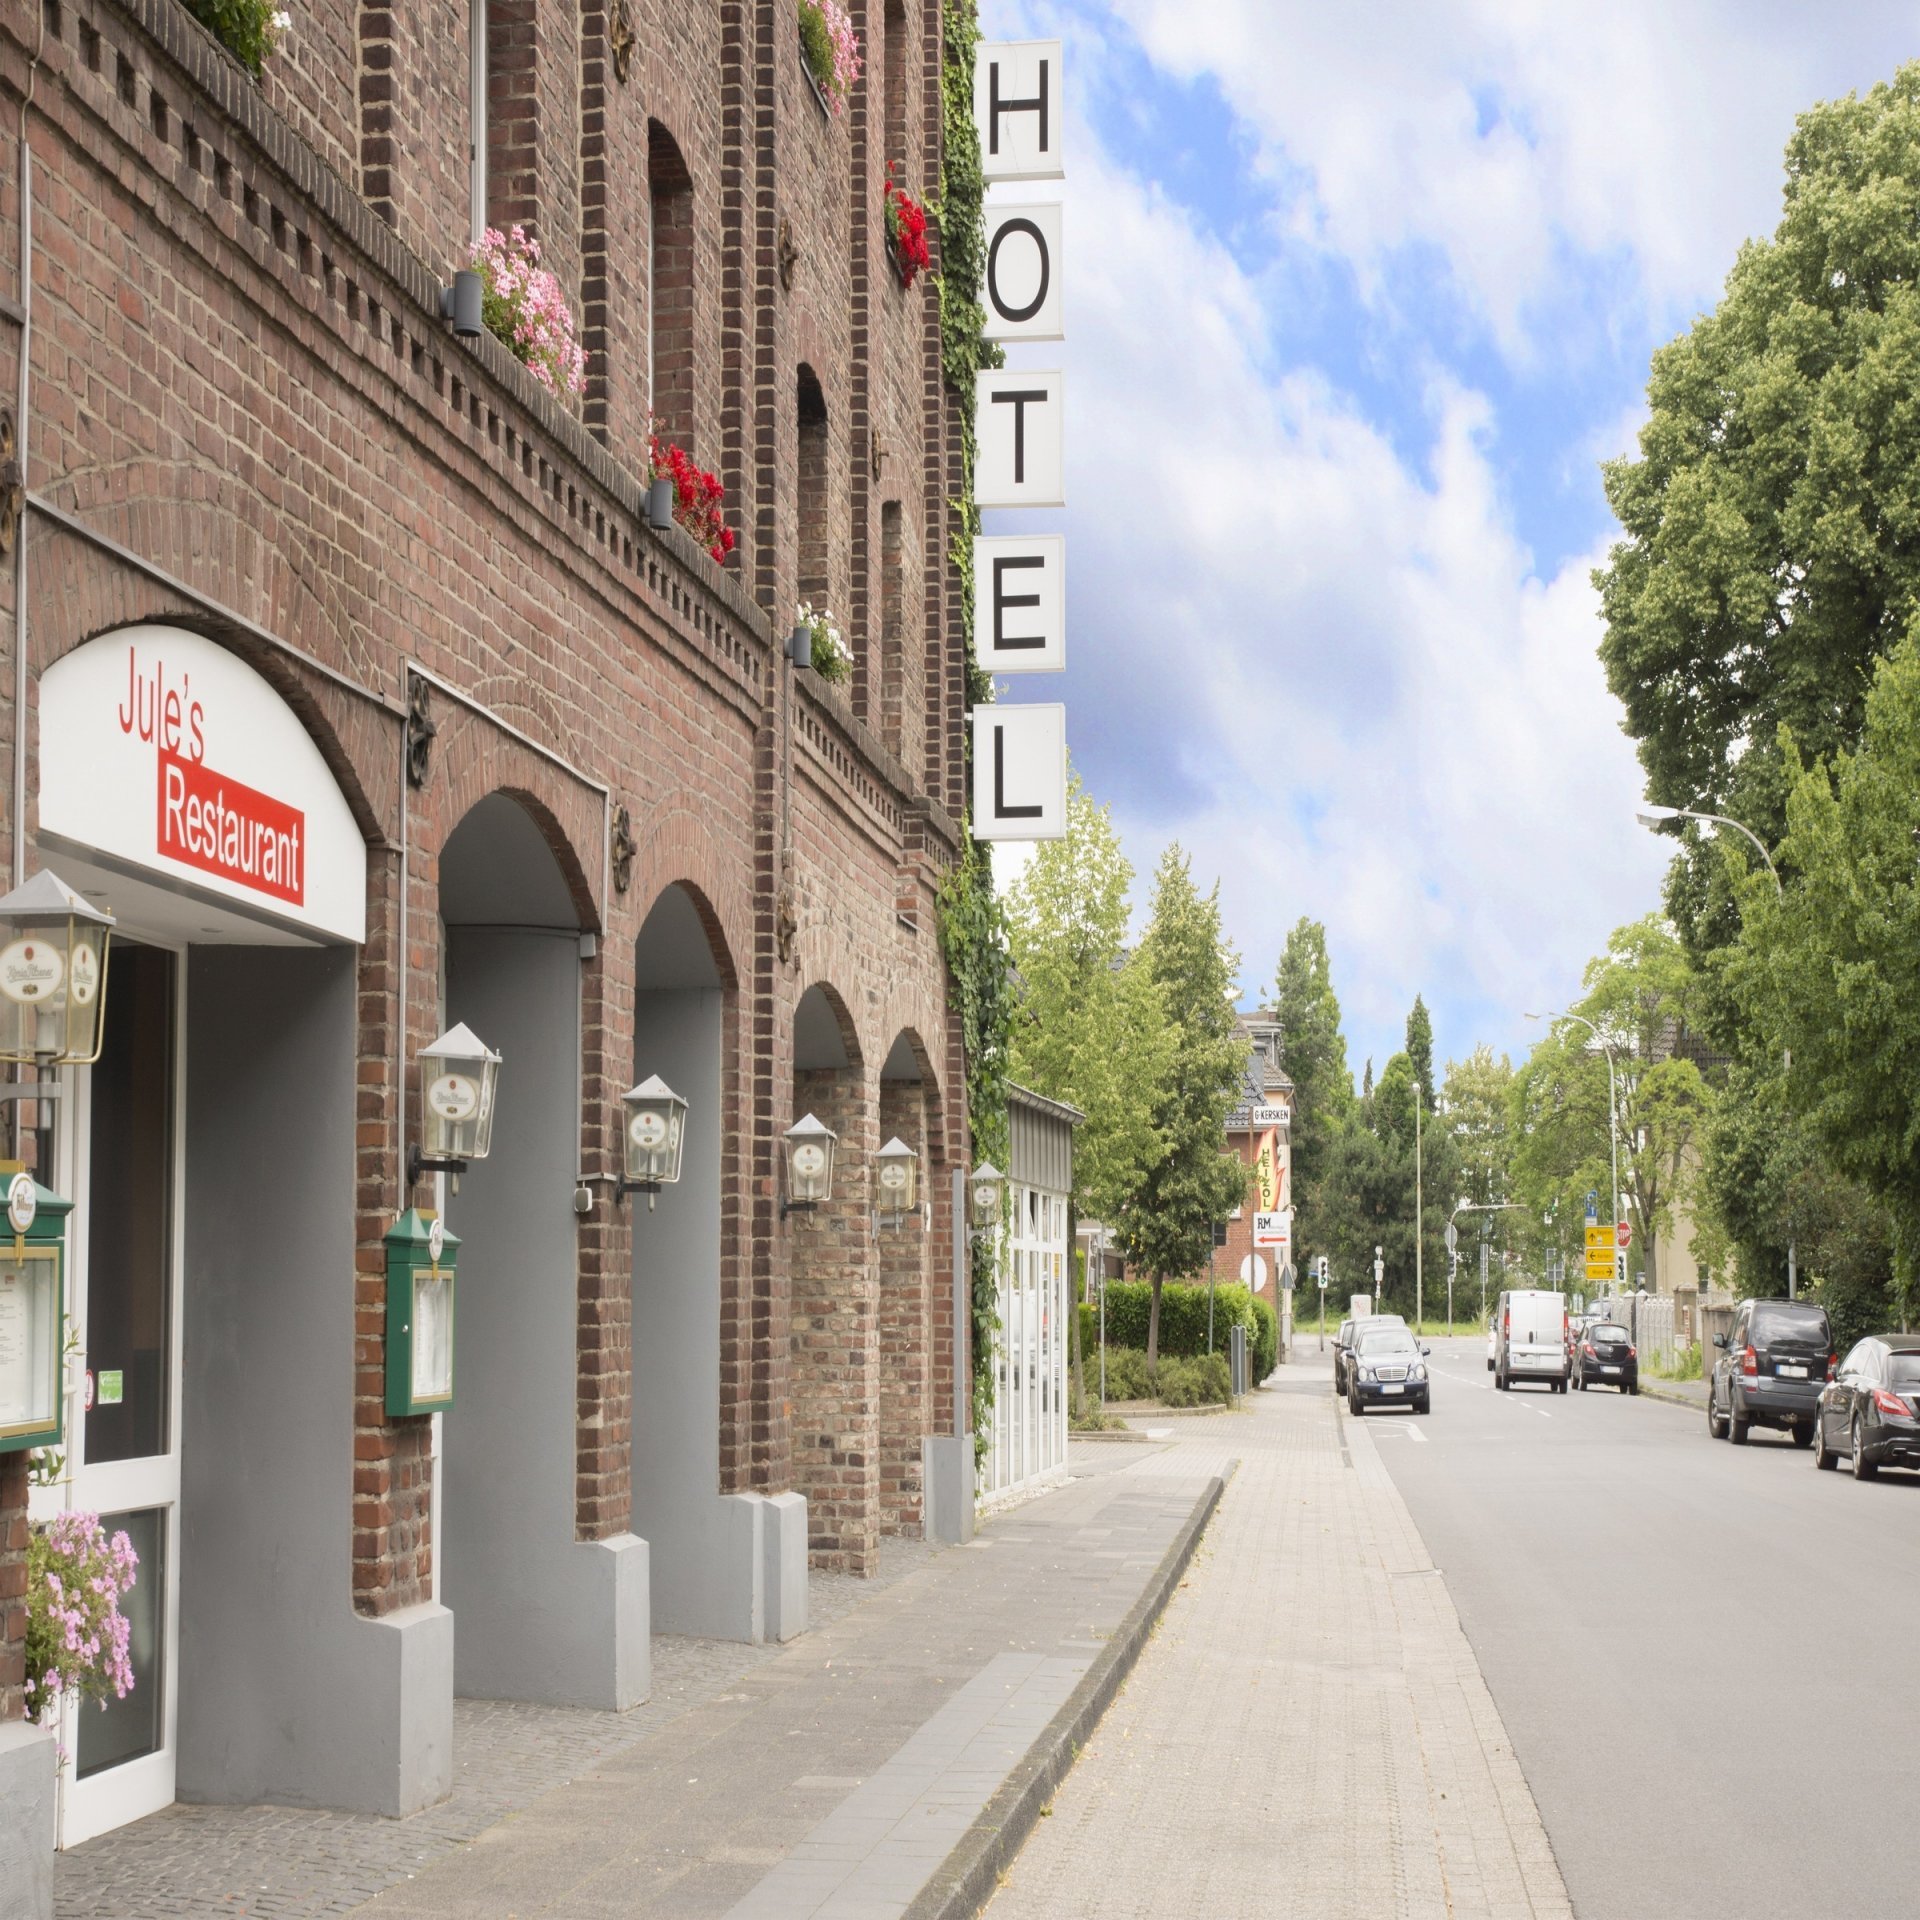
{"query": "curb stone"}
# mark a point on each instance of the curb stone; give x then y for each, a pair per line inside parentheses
(969, 1877)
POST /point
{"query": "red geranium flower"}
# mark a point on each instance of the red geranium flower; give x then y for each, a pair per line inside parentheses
(906, 228)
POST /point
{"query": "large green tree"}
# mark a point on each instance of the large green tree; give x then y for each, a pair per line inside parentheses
(1314, 1051)
(1639, 996)
(1190, 1182)
(1771, 522)
(1420, 1048)
(1091, 1025)
(1830, 969)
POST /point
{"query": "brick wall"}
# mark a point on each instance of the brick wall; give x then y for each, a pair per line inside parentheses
(241, 376)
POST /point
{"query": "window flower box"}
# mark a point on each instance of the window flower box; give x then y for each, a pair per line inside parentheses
(906, 221)
(829, 53)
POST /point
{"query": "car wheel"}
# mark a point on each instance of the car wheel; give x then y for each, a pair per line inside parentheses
(1822, 1457)
(1424, 1404)
(1634, 1388)
(1803, 1433)
(1716, 1427)
(1738, 1425)
(1355, 1405)
(1863, 1468)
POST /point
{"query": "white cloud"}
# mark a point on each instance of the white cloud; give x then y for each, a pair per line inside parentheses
(1502, 132)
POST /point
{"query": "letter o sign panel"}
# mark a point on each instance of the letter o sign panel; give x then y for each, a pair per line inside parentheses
(1021, 285)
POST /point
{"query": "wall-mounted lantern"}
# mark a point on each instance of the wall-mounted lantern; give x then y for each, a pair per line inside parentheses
(809, 1145)
(986, 1192)
(458, 1077)
(897, 1177)
(53, 974)
(655, 1133)
(421, 1255)
(33, 1272)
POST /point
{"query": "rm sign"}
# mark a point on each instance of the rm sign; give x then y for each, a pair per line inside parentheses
(1020, 624)
(1273, 1230)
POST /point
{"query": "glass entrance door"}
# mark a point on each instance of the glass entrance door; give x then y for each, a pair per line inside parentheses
(116, 1153)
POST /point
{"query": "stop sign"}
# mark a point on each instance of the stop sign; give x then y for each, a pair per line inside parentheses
(1623, 1233)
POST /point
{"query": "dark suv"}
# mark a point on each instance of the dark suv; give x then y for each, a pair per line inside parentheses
(1770, 1370)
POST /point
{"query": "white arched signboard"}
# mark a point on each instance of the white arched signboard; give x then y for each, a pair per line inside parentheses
(166, 752)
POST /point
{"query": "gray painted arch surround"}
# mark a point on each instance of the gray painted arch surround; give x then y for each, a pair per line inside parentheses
(727, 1566)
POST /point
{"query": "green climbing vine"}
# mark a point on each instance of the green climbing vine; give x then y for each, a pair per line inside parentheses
(973, 927)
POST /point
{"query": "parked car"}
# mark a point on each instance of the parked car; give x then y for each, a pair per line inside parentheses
(1350, 1331)
(1770, 1370)
(1530, 1338)
(1604, 1356)
(1388, 1367)
(1867, 1410)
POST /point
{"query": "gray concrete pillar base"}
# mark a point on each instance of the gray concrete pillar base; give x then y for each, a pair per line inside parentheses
(27, 1760)
(783, 1565)
(946, 1466)
(412, 1652)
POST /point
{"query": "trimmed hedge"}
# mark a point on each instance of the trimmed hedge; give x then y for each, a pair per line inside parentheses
(1186, 1380)
(1183, 1321)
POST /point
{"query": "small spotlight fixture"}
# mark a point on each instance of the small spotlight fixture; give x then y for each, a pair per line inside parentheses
(660, 504)
(461, 303)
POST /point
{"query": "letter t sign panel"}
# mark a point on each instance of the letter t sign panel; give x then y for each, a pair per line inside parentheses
(1020, 772)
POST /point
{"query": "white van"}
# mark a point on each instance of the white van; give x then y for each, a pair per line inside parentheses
(1530, 1339)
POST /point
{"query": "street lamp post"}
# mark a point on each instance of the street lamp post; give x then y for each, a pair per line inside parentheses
(1613, 1105)
(1652, 816)
(1471, 1206)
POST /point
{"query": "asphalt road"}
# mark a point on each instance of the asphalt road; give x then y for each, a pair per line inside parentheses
(1706, 1655)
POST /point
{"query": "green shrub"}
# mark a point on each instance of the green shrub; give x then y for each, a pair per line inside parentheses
(1183, 1320)
(1126, 1375)
(248, 29)
(1194, 1380)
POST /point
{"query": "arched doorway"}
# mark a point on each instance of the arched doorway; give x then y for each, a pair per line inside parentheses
(729, 1566)
(538, 1614)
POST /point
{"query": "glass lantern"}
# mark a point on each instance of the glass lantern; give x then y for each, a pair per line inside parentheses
(988, 1188)
(654, 1136)
(458, 1077)
(897, 1177)
(810, 1144)
(53, 974)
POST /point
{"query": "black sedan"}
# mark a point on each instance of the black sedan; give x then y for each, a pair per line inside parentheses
(1869, 1412)
(1387, 1368)
(1604, 1356)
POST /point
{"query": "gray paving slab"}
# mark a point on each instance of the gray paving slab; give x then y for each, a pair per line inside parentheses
(1308, 1733)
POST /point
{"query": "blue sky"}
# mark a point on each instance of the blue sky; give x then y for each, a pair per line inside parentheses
(1357, 301)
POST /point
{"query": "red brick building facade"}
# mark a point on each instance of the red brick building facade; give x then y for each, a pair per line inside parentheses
(560, 733)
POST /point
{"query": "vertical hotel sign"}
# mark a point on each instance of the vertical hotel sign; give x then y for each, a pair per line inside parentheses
(1020, 750)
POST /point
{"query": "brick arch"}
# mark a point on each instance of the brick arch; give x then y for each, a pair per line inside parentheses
(929, 1082)
(857, 1055)
(678, 847)
(174, 515)
(471, 759)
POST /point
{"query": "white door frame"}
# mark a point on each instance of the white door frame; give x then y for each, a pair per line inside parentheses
(143, 1785)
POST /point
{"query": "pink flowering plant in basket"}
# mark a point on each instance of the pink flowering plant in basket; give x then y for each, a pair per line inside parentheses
(525, 310)
(76, 1634)
(830, 45)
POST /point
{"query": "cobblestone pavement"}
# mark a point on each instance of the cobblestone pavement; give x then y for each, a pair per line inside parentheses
(1308, 1732)
(288, 1861)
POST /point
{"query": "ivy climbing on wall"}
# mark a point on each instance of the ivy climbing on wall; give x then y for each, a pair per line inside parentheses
(973, 928)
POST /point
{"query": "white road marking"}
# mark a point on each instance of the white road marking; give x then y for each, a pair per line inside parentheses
(1414, 1434)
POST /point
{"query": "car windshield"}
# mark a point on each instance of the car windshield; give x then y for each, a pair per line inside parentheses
(1778, 1323)
(1607, 1333)
(1903, 1371)
(1387, 1340)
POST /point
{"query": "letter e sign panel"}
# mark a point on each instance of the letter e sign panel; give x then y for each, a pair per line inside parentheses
(1020, 602)
(1016, 108)
(1021, 285)
(1020, 772)
(1017, 421)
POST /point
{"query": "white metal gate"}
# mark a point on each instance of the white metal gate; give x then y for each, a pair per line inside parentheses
(1028, 1442)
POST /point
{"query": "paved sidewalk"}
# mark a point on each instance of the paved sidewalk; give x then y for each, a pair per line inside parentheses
(1308, 1734)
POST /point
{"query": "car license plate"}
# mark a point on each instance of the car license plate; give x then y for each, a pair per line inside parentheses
(1791, 1373)
(1609, 1369)
(1393, 1388)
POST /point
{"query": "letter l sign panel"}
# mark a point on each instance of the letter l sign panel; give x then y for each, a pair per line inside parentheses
(1020, 772)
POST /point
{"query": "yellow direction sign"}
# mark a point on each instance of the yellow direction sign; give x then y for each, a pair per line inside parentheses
(1601, 1270)
(1600, 1245)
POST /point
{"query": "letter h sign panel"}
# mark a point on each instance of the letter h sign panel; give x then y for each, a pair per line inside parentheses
(1016, 107)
